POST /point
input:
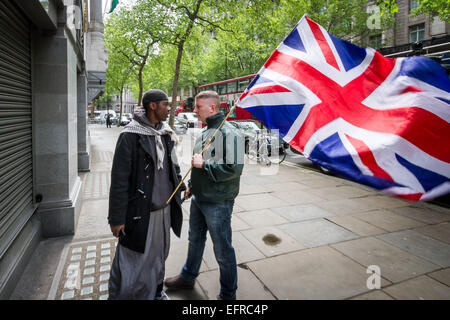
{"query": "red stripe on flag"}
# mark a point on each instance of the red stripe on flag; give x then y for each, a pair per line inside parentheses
(411, 196)
(268, 89)
(411, 89)
(368, 158)
(323, 44)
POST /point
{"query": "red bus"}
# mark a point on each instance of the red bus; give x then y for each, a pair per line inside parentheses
(229, 92)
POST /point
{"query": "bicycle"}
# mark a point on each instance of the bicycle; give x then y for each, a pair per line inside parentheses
(266, 148)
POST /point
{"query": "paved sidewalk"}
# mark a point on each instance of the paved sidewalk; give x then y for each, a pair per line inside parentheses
(298, 234)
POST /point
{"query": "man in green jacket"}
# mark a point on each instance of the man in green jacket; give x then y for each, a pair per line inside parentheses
(214, 185)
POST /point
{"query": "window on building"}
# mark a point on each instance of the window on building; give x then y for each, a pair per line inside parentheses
(231, 87)
(222, 88)
(243, 84)
(413, 4)
(417, 33)
(375, 41)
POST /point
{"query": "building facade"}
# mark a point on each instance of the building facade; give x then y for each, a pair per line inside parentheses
(415, 35)
(43, 133)
(129, 102)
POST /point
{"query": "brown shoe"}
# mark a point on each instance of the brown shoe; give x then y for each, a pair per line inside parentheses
(177, 283)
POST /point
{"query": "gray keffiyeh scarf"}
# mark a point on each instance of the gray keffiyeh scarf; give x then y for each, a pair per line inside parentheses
(141, 125)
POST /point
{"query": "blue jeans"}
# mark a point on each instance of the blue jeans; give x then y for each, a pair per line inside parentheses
(215, 218)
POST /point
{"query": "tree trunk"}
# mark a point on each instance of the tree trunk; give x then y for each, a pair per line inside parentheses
(121, 103)
(140, 84)
(173, 108)
(92, 109)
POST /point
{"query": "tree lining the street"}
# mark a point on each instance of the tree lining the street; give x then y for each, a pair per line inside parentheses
(118, 75)
(126, 35)
(174, 22)
(193, 42)
(434, 8)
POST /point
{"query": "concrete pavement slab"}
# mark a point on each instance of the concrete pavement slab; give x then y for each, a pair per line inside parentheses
(183, 235)
(356, 226)
(442, 276)
(420, 245)
(383, 202)
(37, 279)
(249, 286)
(439, 232)
(263, 239)
(258, 201)
(93, 220)
(433, 207)
(345, 206)
(197, 293)
(292, 176)
(100, 166)
(256, 180)
(424, 215)
(395, 264)
(185, 214)
(387, 220)
(318, 273)
(238, 224)
(102, 156)
(284, 186)
(315, 233)
(421, 288)
(301, 212)
(374, 295)
(245, 189)
(340, 192)
(319, 181)
(295, 197)
(261, 218)
(237, 209)
(177, 258)
(96, 185)
(245, 251)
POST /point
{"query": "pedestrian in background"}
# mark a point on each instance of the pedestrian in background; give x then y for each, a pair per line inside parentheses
(108, 120)
(143, 176)
(214, 185)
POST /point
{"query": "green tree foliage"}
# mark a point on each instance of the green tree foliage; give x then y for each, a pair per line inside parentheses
(118, 76)
(126, 35)
(193, 42)
(435, 8)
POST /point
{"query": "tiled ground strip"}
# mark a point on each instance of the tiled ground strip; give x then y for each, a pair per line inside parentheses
(83, 271)
(97, 185)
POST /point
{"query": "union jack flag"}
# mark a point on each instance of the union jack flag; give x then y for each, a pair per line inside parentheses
(380, 121)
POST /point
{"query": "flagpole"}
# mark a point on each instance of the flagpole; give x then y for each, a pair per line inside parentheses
(203, 150)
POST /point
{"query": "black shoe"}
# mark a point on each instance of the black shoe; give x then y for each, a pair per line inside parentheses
(177, 283)
(219, 297)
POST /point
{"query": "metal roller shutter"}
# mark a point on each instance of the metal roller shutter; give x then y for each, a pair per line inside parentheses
(16, 174)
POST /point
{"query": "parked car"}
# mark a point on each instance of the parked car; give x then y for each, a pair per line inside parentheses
(179, 127)
(189, 118)
(124, 120)
(250, 129)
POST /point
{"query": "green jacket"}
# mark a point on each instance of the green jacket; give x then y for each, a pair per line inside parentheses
(219, 177)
